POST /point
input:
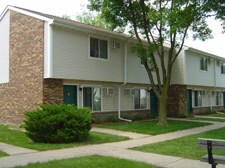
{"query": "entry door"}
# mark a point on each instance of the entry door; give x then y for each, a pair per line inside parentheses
(189, 102)
(70, 94)
(153, 105)
(223, 99)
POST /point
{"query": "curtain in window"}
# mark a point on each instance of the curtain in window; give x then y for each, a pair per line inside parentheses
(94, 47)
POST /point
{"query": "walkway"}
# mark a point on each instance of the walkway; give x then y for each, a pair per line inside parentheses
(116, 149)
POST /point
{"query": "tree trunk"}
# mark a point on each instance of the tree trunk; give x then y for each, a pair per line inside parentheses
(162, 111)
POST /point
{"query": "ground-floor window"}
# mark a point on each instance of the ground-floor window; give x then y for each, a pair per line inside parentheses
(218, 98)
(140, 99)
(198, 98)
(92, 98)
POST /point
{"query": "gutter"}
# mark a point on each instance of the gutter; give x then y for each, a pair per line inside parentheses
(124, 83)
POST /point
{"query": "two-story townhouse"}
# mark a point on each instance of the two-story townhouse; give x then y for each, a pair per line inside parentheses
(47, 59)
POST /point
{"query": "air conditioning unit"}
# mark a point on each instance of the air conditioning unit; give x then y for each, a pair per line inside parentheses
(115, 45)
(109, 91)
(129, 91)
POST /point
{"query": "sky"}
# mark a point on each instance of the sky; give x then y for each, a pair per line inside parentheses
(72, 8)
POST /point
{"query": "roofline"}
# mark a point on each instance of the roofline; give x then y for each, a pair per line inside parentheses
(9, 7)
(91, 29)
(205, 53)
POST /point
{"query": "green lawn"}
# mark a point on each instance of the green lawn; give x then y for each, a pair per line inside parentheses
(151, 127)
(184, 147)
(2, 154)
(219, 115)
(208, 119)
(18, 138)
(90, 162)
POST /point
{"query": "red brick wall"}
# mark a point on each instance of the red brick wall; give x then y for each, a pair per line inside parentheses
(25, 88)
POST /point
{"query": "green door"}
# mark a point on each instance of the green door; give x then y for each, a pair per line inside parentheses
(189, 102)
(223, 99)
(153, 105)
(70, 94)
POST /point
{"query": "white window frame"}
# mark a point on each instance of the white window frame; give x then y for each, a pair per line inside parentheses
(222, 68)
(146, 101)
(199, 99)
(89, 48)
(205, 63)
(218, 98)
(92, 86)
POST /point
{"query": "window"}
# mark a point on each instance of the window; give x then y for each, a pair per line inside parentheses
(223, 68)
(98, 48)
(140, 99)
(218, 98)
(150, 63)
(198, 98)
(204, 64)
(92, 98)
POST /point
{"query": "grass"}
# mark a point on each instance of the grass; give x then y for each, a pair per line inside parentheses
(209, 119)
(219, 115)
(90, 162)
(18, 138)
(151, 127)
(185, 147)
(2, 154)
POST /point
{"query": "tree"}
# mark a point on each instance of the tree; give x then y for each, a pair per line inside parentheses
(154, 23)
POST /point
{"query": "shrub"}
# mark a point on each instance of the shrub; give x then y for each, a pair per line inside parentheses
(58, 123)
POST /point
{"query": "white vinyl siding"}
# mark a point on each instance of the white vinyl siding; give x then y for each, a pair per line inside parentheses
(4, 48)
(71, 58)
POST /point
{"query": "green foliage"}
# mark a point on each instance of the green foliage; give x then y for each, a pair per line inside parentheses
(58, 124)
(112, 118)
(90, 162)
(153, 24)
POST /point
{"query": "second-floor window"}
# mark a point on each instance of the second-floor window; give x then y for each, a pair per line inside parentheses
(140, 99)
(98, 48)
(204, 64)
(223, 68)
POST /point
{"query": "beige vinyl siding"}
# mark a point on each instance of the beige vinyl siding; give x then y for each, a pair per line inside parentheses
(136, 72)
(195, 76)
(110, 102)
(71, 58)
(4, 48)
(220, 78)
(178, 71)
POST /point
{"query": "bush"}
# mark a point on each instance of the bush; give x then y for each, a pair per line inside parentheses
(58, 124)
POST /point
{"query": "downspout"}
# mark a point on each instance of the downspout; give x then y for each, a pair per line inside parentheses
(214, 71)
(124, 83)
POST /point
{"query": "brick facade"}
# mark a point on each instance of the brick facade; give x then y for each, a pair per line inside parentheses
(53, 91)
(25, 88)
(177, 100)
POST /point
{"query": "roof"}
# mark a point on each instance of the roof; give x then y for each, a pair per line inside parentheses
(55, 20)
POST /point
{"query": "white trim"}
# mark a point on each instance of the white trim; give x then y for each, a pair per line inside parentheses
(50, 51)
(89, 47)
(92, 86)
(26, 13)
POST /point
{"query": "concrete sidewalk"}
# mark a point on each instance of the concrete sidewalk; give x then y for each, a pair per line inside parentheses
(116, 149)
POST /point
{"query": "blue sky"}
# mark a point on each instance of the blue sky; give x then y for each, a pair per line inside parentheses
(74, 7)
